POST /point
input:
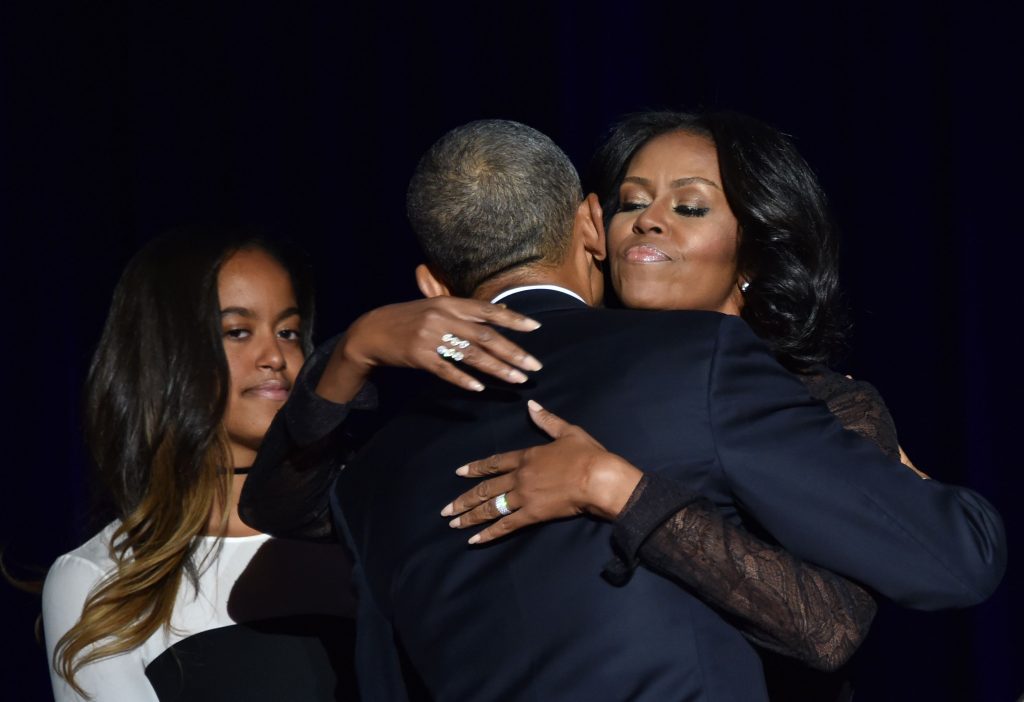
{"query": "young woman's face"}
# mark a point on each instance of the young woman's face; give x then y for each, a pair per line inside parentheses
(260, 324)
(673, 242)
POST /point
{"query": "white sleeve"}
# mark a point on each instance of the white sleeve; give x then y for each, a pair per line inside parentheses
(120, 678)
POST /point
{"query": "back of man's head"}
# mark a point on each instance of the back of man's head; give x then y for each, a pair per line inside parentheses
(491, 196)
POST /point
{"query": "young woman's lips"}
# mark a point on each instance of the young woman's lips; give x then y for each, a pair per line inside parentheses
(645, 253)
(270, 390)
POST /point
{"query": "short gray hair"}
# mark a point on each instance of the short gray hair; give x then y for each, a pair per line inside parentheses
(491, 196)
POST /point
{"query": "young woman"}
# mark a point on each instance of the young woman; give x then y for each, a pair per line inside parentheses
(177, 598)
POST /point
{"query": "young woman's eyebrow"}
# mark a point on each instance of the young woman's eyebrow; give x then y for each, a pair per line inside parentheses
(290, 312)
(241, 311)
(246, 312)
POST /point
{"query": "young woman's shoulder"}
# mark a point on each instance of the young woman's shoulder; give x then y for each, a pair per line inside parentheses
(70, 580)
(93, 555)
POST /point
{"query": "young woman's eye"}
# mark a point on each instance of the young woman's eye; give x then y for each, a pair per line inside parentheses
(290, 334)
(691, 211)
(632, 206)
(237, 333)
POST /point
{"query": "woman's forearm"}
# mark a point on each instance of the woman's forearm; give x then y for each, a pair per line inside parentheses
(776, 600)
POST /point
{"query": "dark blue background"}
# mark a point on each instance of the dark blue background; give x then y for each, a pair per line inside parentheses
(119, 120)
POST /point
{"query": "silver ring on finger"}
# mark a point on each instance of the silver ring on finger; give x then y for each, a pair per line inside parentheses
(452, 347)
(501, 504)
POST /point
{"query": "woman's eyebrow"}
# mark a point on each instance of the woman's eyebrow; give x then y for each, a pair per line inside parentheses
(678, 183)
(241, 311)
(246, 312)
(638, 180)
(290, 312)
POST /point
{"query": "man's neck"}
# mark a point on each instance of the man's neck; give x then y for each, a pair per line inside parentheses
(529, 288)
(532, 276)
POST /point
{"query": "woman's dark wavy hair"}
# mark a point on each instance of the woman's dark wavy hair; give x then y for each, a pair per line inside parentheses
(160, 368)
(156, 394)
(788, 247)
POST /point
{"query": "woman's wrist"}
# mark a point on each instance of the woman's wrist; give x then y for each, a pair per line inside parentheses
(611, 481)
(345, 373)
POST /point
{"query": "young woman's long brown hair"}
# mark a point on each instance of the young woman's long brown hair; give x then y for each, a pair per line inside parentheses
(155, 399)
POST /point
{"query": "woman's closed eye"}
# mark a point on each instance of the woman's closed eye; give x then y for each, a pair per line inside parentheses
(683, 210)
(633, 205)
(690, 210)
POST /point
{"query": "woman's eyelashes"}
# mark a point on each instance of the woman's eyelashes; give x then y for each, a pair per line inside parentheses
(241, 333)
(684, 210)
(690, 210)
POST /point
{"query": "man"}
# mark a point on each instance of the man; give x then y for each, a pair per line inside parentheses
(691, 395)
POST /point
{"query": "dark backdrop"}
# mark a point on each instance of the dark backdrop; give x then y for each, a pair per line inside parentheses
(120, 120)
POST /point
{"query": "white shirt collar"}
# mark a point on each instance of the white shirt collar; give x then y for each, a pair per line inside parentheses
(524, 288)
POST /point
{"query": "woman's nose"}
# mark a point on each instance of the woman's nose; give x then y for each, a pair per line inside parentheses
(271, 357)
(649, 221)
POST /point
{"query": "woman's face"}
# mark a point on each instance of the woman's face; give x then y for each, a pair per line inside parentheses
(672, 244)
(260, 325)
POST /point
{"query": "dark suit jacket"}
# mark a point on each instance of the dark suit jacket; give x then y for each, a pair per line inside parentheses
(693, 395)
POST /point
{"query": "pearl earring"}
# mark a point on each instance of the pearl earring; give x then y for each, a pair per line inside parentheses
(744, 286)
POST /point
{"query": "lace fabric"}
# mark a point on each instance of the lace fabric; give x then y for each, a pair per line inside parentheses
(777, 601)
(857, 405)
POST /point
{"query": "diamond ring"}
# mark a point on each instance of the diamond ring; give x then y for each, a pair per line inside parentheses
(501, 504)
(454, 349)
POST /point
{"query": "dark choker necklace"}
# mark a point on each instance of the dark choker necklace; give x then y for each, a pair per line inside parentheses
(240, 471)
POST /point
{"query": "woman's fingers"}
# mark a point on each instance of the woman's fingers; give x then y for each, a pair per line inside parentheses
(494, 465)
(504, 350)
(478, 314)
(478, 503)
(456, 330)
(486, 313)
(485, 350)
(503, 527)
(553, 425)
(566, 477)
(905, 460)
(484, 337)
(450, 372)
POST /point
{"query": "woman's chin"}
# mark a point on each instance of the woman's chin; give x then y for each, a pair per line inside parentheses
(646, 297)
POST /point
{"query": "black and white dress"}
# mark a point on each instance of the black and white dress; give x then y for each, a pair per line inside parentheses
(271, 619)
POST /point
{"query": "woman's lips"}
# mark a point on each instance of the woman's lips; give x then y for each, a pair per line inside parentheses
(645, 253)
(270, 390)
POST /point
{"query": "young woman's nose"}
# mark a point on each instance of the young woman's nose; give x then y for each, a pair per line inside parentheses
(270, 355)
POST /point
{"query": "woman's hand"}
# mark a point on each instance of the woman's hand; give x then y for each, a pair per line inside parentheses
(571, 475)
(905, 460)
(408, 334)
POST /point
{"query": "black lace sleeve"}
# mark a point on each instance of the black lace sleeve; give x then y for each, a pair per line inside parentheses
(857, 405)
(287, 491)
(790, 607)
(777, 601)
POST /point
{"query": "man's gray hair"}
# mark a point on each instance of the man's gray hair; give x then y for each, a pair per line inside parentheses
(491, 196)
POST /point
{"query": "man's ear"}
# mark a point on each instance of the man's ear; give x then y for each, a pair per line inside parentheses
(589, 224)
(428, 283)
